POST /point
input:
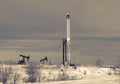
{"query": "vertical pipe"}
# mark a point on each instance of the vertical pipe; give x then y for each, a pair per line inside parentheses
(64, 51)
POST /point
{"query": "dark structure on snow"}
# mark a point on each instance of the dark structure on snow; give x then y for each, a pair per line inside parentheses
(24, 60)
(44, 60)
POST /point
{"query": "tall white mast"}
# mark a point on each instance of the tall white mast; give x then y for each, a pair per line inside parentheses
(68, 37)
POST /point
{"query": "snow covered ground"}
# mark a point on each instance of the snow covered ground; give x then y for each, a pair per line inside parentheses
(61, 75)
(84, 81)
(87, 80)
(91, 79)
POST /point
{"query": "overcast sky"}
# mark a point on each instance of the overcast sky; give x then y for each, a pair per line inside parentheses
(47, 19)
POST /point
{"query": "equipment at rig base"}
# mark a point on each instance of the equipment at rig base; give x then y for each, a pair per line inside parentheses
(24, 60)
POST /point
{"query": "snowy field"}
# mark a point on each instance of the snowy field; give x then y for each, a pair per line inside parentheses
(60, 75)
(84, 81)
(87, 80)
(94, 80)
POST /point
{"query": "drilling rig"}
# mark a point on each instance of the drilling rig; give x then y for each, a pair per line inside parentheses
(66, 43)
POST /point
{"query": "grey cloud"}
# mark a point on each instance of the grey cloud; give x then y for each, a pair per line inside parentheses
(46, 18)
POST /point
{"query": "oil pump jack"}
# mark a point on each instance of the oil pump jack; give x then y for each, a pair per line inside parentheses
(23, 60)
(43, 60)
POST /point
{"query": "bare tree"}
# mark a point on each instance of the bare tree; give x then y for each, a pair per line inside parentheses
(5, 73)
(99, 62)
(4, 77)
(16, 78)
(32, 72)
(118, 62)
